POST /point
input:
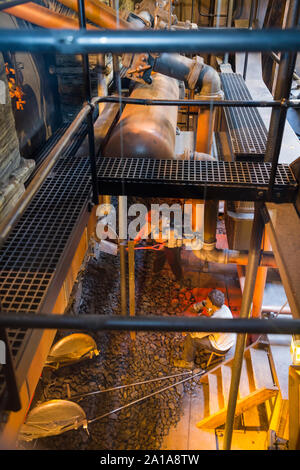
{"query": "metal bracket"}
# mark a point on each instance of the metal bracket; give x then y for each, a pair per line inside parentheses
(265, 214)
(195, 71)
(139, 67)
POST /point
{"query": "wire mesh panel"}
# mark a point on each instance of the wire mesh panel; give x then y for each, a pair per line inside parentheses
(248, 134)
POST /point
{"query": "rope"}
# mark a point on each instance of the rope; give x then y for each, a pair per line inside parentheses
(119, 387)
(144, 398)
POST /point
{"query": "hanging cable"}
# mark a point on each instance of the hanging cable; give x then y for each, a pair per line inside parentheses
(144, 398)
(120, 387)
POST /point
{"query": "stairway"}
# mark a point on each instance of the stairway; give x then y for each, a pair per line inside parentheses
(256, 386)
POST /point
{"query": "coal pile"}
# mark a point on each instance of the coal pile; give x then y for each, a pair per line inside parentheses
(121, 361)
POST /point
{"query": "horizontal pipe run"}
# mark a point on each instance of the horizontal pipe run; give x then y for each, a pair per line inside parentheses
(225, 256)
(11, 3)
(44, 170)
(267, 259)
(202, 103)
(100, 14)
(276, 309)
(148, 323)
(41, 16)
(240, 258)
(216, 41)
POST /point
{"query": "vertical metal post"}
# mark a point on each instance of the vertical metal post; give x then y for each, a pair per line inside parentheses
(228, 24)
(211, 210)
(101, 81)
(211, 19)
(116, 75)
(115, 59)
(192, 11)
(122, 249)
(282, 91)
(252, 18)
(131, 273)
(253, 263)
(89, 119)
(260, 282)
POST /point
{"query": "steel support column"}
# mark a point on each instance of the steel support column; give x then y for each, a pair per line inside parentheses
(122, 250)
(252, 18)
(131, 275)
(282, 92)
(211, 211)
(228, 24)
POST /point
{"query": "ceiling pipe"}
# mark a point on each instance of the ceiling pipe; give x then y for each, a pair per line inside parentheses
(194, 73)
(191, 71)
(44, 17)
(100, 14)
(276, 309)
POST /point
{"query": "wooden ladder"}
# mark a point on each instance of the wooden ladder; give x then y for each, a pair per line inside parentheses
(256, 386)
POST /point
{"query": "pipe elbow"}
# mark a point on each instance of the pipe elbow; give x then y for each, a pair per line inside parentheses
(214, 255)
(209, 83)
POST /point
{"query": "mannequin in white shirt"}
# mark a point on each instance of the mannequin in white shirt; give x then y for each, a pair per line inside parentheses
(216, 342)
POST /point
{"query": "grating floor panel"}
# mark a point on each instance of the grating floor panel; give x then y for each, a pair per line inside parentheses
(31, 254)
(201, 177)
(248, 134)
(52, 141)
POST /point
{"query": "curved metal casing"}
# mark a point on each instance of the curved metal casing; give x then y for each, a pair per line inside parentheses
(147, 131)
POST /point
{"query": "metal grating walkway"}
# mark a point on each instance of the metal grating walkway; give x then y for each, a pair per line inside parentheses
(52, 141)
(243, 181)
(248, 134)
(32, 253)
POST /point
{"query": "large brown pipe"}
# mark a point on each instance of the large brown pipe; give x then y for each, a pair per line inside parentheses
(44, 17)
(100, 14)
(147, 131)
